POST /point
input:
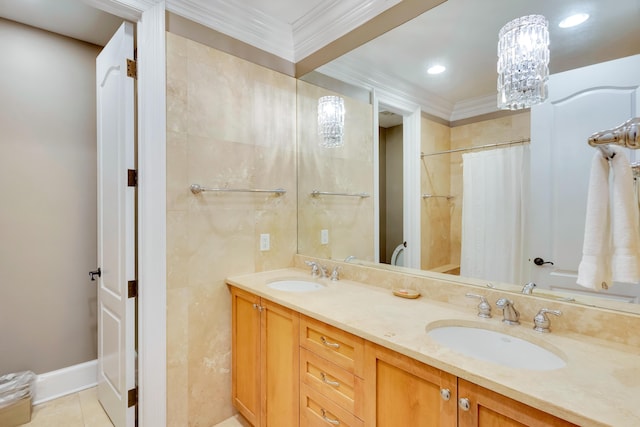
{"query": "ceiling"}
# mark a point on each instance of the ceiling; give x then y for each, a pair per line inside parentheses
(462, 35)
(71, 18)
(459, 34)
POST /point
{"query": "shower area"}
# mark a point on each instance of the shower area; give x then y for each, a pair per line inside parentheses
(474, 180)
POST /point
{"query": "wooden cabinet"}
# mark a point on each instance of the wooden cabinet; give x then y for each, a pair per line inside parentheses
(265, 360)
(292, 370)
(405, 392)
(331, 369)
(490, 409)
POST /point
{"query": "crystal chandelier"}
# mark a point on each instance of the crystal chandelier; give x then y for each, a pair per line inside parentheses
(523, 62)
(331, 121)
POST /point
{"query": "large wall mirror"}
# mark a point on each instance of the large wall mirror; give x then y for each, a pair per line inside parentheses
(395, 186)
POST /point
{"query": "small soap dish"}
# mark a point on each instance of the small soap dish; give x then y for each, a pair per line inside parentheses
(406, 293)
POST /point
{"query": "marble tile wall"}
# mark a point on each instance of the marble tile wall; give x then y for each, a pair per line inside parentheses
(435, 212)
(347, 169)
(230, 123)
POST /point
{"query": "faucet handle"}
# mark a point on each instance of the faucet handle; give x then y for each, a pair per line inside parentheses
(541, 322)
(315, 268)
(484, 308)
(335, 275)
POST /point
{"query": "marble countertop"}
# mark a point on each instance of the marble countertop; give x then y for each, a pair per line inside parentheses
(599, 386)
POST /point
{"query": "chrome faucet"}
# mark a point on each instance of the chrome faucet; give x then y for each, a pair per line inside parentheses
(510, 314)
(335, 274)
(317, 270)
(528, 288)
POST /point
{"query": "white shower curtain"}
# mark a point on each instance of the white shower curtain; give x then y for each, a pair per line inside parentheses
(495, 191)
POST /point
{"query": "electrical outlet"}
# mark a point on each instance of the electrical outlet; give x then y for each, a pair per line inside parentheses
(265, 243)
(324, 237)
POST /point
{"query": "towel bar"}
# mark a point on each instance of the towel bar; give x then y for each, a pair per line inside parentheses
(197, 189)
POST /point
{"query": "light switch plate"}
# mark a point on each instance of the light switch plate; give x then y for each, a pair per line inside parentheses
(324, 237)
(265, 242)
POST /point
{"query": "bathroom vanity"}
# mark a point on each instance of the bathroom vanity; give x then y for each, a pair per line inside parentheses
(352, 354)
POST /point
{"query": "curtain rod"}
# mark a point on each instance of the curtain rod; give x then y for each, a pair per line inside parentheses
(479, 147)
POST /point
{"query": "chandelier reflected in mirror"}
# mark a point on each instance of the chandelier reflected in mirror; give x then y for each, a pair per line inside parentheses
(523, 62)
(331, 121)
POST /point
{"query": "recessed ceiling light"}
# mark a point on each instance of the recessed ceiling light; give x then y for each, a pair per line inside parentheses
(436, 69)
(573, 20)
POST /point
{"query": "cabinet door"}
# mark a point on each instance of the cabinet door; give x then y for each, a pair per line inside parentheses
(401, 391)
(245, 354)
(490, 409)
(280, 333)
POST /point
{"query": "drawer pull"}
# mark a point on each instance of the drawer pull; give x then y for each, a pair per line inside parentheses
(329, 420)
(445, 393)
(328, 381)
(329, 343)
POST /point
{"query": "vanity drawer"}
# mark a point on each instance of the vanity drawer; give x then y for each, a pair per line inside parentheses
(335, 345)
(340, 386)
(317, 410)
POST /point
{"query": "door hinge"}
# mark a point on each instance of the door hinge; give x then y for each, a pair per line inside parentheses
(132, 397)
(132, 68)
(132, 178)
(133, 289)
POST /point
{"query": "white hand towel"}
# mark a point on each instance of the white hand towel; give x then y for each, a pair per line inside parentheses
(594, 270)
(625, 261)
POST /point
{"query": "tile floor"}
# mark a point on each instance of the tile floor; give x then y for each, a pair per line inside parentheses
(83, 410)
(75, 410)
(235, 421)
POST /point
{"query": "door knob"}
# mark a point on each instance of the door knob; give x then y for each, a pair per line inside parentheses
(95, 273)
(540, 261)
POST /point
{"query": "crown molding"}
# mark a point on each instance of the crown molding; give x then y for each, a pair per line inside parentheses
(352, 72)
(320, 26)
(241, 22)
(331, 20)
(127, 9)
(474, 107)
(393, 87)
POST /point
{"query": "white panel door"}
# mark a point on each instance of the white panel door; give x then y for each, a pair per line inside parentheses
(581, 102)
(116, 227)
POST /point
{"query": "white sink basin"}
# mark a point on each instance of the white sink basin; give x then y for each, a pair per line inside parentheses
(295, 285)
(496, 347)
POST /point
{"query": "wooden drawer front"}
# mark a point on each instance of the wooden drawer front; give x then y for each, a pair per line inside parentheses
(317, 410)
(339, 385)
(335, 345)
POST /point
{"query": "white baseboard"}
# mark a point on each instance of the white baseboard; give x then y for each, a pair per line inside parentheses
(72, 379)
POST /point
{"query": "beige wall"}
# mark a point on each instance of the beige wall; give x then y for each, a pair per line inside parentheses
(382, 193)
(48, 191)
(229, 123)
(347, 169)
(394, 191)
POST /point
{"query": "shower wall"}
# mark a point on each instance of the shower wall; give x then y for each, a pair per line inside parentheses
(230, 123)
(435, 224)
